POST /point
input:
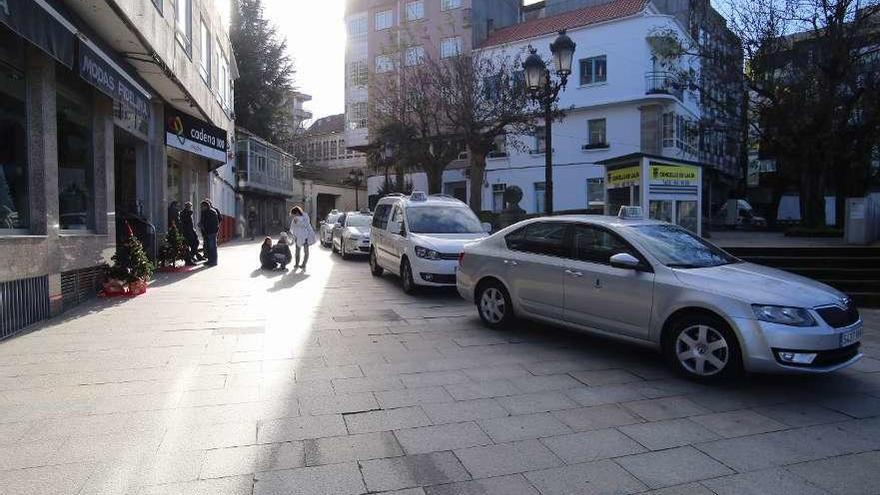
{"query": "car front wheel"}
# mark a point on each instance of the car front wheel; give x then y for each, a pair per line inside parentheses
(375, 269)
(494, 305)
(703, 348)
(406, 276)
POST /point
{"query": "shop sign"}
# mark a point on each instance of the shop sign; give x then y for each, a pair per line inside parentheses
(674, 175)
(100, 74)
(623, 177)
(188, 133)
(42, 25)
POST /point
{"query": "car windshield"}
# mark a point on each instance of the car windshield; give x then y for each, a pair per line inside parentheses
(676, 247)
(442, 220)
(358, 220)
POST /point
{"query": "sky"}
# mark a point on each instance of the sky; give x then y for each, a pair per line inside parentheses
(315, 34)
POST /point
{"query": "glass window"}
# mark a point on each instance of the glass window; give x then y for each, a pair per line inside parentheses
(539, 197)
(596, 193)
(449, 4)
(205, 52)
(357, 27)
(415, 10)
(183, 22)
(678, 248)
(384, 63)
(380, 216)
(498, 197)
(597, 245)
(357, 73)
(547, 238)
(660, 210)
(384, 19)
(594, 70)
(442, 220)
(686, 214)
(499, 146)
(540, 139)
(356, 220)
(415, 55)
(357, 115)
(76, 184)
(450, 47)
(596, 132)
(668, 130)
(14, 205)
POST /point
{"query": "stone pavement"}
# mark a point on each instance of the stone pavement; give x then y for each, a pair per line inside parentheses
(232, 381)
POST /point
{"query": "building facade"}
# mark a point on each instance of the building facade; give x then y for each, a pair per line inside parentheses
(384, 35)
(323, 145)
(622, 98)
(107, 113)
(264, 174)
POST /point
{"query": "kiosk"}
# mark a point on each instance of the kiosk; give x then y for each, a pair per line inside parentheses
(668, 189)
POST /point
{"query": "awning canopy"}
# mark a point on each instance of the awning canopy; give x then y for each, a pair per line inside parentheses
(43, 26)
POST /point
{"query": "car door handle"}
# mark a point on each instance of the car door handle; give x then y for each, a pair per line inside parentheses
(510, 263)
(574, 273)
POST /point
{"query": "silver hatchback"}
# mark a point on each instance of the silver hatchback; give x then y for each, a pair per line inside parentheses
(654, 283)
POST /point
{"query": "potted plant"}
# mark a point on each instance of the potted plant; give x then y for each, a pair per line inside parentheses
(174, 249)
(131, 268)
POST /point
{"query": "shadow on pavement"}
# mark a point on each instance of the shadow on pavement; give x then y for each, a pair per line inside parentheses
(288, 280)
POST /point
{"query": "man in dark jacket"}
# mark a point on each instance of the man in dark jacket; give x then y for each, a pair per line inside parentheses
(174, 215)
(188, 231)
(209, 223)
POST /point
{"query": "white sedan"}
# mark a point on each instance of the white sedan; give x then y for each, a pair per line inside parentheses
(351, 235)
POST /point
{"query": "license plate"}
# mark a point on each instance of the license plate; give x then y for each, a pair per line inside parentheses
(850, 337)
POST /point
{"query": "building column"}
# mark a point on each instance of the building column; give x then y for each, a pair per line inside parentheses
(158, 169)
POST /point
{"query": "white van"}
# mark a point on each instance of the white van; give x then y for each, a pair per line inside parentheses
(419, 238)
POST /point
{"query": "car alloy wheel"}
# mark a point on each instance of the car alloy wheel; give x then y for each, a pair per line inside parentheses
(494, 305)
(409, 285)
(375, 269)
(702, 350)
(342, 250)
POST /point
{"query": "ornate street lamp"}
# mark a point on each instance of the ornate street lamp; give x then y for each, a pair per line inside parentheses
(545, 92)
(356, 178)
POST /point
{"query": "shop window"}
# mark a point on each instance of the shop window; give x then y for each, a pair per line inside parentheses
(76, 167)
(687, 215)
(14, 205)
(660, 210)
(596, 193)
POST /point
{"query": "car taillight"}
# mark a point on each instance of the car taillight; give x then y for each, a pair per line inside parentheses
(460, 258)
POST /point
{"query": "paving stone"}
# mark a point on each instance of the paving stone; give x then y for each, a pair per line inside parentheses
(801, 414)
(507, 458)
(777, 481)
(537, 402)
(333, 450)
(386, 420)
(466, 410)
(544, 383)
(338, 479)
(366, 384)
(737, 423)
(685, 489)
(605, 377)
(491, 373)
(673, 467)
(596, 417)
(598, 477)
(605, 394)
(523, 427)
(233, 485)
(433, 378)
(856, 405)
(411, 471)
(287, 429)
(592, 446)
(659, 435)
(441, 437)
(220, 463)
(482, 389)
(665, 408)
(855, 474)
(500, 485)
(412, 397)
(336, 404)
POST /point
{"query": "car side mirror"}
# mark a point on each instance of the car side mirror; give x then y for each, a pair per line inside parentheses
(625, 261)
(487, 227)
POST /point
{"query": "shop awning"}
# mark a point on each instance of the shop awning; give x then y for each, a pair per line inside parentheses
(42, 25)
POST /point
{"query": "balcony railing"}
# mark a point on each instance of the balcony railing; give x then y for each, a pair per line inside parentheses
(664, 83)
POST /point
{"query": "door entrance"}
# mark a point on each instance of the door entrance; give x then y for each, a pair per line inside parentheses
(324, 203)
(129, 181)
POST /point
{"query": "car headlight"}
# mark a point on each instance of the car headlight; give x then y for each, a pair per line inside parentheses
(784, 315)
(428, 254)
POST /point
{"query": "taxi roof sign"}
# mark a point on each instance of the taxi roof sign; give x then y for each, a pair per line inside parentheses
(630, 213)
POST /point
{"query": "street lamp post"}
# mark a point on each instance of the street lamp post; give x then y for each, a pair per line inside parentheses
(545, 92)
(356, 178)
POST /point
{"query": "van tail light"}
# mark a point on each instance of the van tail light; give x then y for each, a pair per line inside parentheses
(460, 258)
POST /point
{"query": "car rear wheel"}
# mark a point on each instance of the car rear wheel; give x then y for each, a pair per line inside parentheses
(494, 305)
(406, 276)
(703, 348)
(375, 269)
(342, 250)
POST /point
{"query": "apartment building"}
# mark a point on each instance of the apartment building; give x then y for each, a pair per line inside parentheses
(622, 99)
(108, 111)
(384, 35)
(323, 145)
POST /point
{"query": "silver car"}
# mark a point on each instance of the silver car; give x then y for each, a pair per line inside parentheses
(654, 283)
(351, 235)
(326, 230)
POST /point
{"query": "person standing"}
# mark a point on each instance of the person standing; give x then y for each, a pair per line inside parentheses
(174, 215)
(303, 235)
(209, 223)
(252, 222)
(188, 231)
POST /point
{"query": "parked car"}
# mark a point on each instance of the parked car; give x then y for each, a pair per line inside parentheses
(657, 284)
(326, 229)
(351, 236)
(419, 238)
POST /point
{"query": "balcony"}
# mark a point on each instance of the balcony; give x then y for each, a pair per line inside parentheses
(664, 83)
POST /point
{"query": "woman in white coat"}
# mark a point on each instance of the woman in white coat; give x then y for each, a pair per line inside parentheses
(303, 235)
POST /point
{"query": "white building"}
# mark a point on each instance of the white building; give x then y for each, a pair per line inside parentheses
(621, 99)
